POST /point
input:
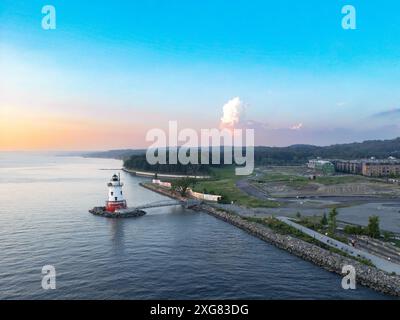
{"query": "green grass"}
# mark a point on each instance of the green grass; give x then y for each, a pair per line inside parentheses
(282, 228)
(332, 180)
(223, 183)
(294, 181)
(314, 223)
(298, 181)
(227, 172)
(395, 242)
(391, 239)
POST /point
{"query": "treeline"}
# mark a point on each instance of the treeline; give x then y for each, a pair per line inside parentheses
(292, 155)
(122, 154)
(140, 163)
(300, 154)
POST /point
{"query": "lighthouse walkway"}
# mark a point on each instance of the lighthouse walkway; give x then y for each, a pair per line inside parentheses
(139, 211)
(169, 203)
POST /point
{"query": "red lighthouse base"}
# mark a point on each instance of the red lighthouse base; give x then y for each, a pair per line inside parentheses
(111, 206)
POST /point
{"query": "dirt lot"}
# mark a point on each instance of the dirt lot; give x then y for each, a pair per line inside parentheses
(282, 182)
(355, 197)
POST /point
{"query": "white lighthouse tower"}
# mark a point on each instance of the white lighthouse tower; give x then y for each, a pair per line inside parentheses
(115, 197)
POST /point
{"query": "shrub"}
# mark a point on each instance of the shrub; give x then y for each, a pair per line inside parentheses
(356, 230)
(373, 227)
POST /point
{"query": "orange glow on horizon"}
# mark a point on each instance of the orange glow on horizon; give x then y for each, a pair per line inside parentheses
(26, 131)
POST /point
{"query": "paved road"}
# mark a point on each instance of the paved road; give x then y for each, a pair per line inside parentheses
(251, 190)
(377, 261)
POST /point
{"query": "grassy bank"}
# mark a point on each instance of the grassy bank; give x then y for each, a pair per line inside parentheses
(223, 182)
(298, 181)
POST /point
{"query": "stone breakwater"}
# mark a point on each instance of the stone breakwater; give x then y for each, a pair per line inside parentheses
(365, 275)
(127, 213)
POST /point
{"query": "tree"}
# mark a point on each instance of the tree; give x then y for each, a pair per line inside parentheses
(355, 230)
(373, 227)
(387, 235)
(324, 220)
(182, 185)
(224, 199)
(332, 223)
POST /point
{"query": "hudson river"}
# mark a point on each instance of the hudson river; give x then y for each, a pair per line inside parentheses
(170, 253)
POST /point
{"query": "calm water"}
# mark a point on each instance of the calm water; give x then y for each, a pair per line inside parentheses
(169, 253)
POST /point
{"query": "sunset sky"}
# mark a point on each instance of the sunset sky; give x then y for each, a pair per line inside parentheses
(114, 70)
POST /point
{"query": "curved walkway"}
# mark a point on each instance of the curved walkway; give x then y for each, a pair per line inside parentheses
(380, 263)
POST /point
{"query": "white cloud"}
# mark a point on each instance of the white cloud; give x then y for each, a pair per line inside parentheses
(233, 112)
(296, 126)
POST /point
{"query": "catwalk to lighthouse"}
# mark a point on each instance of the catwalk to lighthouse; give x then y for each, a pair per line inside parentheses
(115, 196)
(116, 204)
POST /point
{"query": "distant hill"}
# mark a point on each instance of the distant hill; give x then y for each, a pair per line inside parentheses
(122, 154)
(296, 154)
(292, 155)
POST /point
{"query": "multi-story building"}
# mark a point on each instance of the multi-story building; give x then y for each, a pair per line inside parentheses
(324, 166)
(369, 167)
(381, 168)
(348, 166)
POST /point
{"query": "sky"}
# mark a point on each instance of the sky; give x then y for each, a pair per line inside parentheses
(114, 70)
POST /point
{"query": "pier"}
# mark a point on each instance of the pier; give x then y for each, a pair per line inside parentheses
(139, 210)
(190, 203)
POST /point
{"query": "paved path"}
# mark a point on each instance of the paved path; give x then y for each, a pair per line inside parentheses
(380, 263)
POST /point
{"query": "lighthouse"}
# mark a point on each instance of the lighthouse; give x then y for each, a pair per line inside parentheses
(115, 197)
(116, 204)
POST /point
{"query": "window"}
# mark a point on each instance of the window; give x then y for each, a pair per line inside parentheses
(116, 198)
(112, 193)
(121, 192)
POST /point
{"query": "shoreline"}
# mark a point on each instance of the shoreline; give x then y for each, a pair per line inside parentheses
(160, 175)
(367, 276)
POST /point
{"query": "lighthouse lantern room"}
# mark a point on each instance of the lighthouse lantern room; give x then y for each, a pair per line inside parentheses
(115, 197)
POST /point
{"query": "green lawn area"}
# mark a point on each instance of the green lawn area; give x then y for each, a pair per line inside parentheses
(395, 242)
(332, 180)
(224, 183)
(294, 181)
(297, 181)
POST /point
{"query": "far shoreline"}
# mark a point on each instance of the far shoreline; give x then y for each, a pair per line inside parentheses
(161, 175)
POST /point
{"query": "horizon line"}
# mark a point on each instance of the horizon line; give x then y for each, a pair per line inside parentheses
(144, 148)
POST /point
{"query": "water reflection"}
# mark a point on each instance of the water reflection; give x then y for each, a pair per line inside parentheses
(117, 233)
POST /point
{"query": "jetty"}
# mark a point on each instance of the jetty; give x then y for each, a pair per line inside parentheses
(139, 210)
(122, 213)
